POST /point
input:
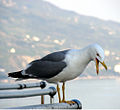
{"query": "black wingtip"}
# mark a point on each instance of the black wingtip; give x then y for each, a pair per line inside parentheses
(9, 74)
(15, 74)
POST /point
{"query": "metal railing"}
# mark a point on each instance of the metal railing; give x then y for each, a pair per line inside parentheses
(27, 93)
(6, 93)
(42, 84)
(76, 105)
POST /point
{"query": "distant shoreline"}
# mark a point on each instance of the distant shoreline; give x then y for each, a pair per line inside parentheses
(78, 78)
(98, 77)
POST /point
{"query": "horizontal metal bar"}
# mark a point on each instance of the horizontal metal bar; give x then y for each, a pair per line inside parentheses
(27, 93)
(22, 86)
(76, 105)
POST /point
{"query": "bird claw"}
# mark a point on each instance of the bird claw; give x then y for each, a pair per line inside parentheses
(68, 102)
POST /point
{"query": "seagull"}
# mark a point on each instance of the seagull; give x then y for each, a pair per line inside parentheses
(62, 66)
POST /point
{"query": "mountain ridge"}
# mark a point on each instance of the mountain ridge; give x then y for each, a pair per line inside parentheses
(30, 30)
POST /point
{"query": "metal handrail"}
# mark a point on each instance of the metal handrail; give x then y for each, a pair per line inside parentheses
(76, 105)
(8, 92)
(28, 93)
(41, 84)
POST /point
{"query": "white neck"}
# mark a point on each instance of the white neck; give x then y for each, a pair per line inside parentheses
(85, 55)
(78, 59)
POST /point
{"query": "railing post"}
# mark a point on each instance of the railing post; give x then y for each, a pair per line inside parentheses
(43, 85)
(51, 100)
(52, 94)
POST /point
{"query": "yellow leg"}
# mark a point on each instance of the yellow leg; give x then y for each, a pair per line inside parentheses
(58, 89)
(63, 90)
(42, 99)
(63, 100)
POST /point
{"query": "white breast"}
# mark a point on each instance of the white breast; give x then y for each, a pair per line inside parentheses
(76, 63)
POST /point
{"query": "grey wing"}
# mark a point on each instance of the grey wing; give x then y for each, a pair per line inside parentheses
(56, 56)
(45, 69)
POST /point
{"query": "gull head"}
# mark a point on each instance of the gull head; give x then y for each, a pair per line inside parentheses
(97, 55)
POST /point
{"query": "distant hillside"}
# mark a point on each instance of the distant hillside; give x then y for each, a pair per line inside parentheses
(30, 29)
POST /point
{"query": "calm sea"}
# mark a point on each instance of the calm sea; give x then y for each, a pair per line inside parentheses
(97, 94)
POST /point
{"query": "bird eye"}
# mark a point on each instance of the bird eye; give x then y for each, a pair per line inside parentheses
(98, 54)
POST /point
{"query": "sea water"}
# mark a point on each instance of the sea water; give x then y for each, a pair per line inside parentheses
(93, 94)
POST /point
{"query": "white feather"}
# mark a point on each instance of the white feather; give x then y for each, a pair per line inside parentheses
(23, 72)
(76, 61)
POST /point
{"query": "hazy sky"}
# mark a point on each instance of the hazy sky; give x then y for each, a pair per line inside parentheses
(104, 9)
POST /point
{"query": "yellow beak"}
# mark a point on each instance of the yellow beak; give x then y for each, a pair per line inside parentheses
(97, 65)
